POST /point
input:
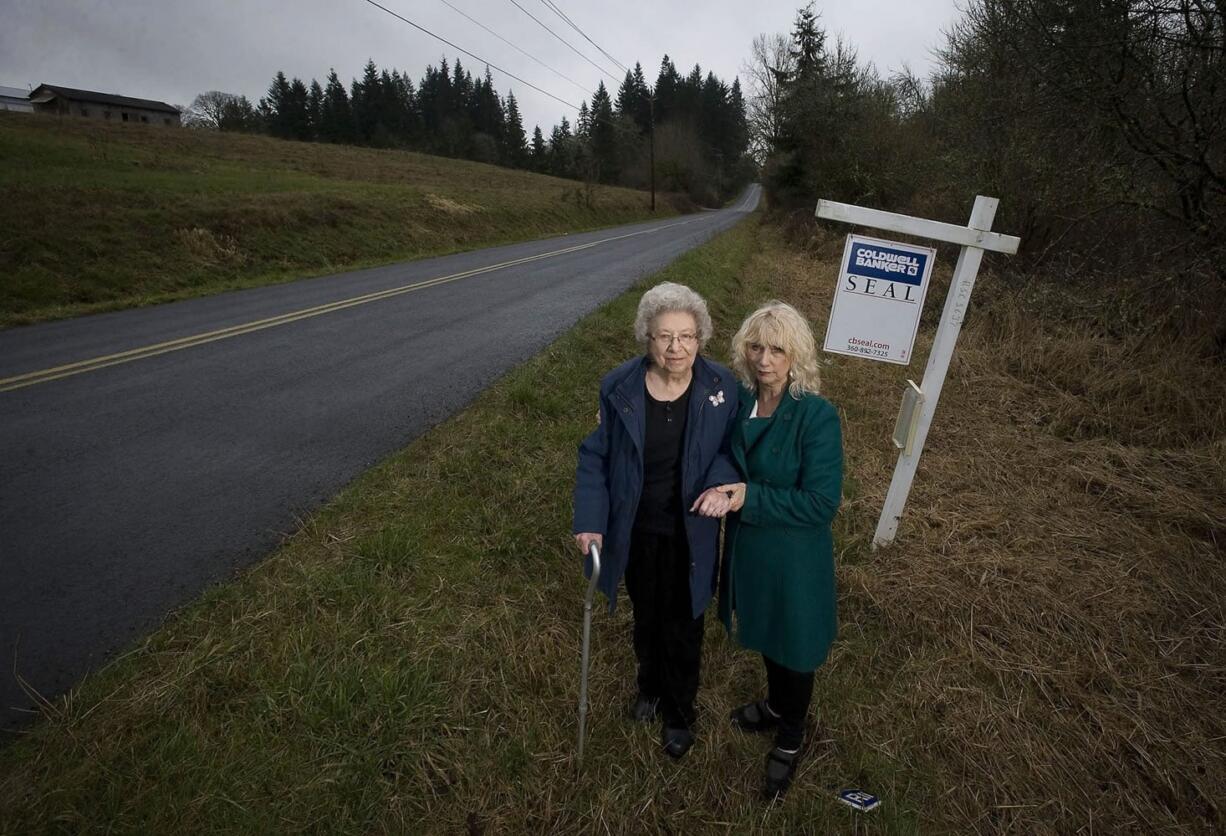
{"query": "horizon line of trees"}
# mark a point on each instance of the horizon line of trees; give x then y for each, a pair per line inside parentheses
(701, 134)
(1100, 124)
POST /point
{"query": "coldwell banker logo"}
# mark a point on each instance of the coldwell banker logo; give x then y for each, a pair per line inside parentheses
(884, 272)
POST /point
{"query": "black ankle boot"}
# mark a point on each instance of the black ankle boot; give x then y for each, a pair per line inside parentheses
(754, 717)
(780, 769)
(676, 742)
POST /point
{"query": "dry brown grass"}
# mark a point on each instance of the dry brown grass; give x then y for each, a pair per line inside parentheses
(1042, 651)
(1052, 613)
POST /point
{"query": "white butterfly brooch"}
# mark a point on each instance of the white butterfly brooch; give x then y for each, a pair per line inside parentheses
(717, 398)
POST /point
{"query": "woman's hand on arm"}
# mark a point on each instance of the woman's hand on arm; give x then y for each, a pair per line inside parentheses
(712, 502)
(735, 492)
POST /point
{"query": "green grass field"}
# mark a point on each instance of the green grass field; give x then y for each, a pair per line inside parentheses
(100, 216)
(1041, 651)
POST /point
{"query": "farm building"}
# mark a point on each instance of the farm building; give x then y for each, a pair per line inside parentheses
(67, 101)
(15, 98)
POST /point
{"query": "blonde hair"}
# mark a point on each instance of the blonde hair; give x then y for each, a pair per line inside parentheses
(778, 323)
(664, 298)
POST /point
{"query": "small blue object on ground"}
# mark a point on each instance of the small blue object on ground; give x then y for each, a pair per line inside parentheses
(859, 800)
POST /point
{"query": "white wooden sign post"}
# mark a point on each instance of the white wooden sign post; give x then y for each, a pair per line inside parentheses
(974, 238)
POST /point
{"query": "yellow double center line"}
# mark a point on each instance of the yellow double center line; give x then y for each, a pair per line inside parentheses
(8, 384)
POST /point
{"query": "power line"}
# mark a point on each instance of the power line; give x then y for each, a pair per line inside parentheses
(513, 46)
(563, 40)
(549, 4)
(471, 55)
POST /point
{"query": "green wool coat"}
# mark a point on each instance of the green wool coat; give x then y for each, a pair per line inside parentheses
(777, 592)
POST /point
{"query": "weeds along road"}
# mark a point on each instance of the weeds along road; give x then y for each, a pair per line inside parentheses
(146, 454)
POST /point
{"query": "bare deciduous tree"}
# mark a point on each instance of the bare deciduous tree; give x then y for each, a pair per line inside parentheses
(208, 109)
(770, 66)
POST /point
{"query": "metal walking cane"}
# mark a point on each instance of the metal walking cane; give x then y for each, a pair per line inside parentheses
(594, 551)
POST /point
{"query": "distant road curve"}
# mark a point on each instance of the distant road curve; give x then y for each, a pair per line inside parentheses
(146, 454)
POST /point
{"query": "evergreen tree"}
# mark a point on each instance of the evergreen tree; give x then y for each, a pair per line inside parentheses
(388, 113)
(689, 98)
(667, 83)
(273, 107)
(434, 100)
(538, 156)
(489, 122)
(450, 113)
(603, 134)
(335, 119)
(366, 101)
(516, 152)
(237, 114)
(456, 130)
(736, 125)
(562, 150)
(634, 99)
(626, 98)
(408, 112)
(583, 125)
(643, 109)
(315, 108)
(295, 114)
(808, 43)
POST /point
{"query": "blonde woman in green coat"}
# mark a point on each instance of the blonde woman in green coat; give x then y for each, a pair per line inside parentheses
(777, 593)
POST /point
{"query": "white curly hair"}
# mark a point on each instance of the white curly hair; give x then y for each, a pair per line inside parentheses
(666, 297)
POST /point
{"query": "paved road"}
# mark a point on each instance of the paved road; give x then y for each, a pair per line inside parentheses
(146, 454)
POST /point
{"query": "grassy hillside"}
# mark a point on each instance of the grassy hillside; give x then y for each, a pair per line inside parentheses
(99, 216)
(1040, 652)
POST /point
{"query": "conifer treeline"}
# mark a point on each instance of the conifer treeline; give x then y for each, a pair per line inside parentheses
(701, 136)
(1101, 126)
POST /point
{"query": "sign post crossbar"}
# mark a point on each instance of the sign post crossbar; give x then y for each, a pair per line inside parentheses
(974, 238)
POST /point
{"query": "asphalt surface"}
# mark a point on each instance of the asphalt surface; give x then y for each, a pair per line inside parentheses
(128, 485)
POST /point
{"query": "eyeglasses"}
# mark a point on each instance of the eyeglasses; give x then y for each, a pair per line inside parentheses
(687, 341)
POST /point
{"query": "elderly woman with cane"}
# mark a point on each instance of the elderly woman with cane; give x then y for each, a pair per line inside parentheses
(777, 593)
(644, 495)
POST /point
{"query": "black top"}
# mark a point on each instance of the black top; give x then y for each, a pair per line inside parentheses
(659, 510)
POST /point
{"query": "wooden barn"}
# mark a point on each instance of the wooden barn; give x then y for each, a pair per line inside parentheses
(68, 101)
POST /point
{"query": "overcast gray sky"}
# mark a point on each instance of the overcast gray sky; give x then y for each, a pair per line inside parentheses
(173, 49)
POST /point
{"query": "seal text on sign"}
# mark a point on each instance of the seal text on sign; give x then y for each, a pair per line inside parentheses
(879, 298)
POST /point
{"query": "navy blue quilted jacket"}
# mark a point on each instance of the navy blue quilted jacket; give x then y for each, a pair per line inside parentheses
(609, 476)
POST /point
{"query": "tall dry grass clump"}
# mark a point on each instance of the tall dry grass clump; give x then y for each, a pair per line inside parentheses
(1050, 624)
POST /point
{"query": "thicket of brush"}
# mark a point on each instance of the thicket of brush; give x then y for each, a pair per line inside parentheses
(1053, 614)
(1100, 125)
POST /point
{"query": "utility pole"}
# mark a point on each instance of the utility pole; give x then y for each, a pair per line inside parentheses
(652, 132)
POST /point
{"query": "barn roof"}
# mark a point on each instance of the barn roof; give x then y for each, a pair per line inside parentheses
(46, 92)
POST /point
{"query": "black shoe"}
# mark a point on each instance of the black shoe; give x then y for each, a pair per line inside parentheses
(754, 717)
(643, 709)
(677, 742)
(780, 769)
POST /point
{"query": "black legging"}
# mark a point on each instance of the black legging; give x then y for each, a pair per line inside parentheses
(789, 693)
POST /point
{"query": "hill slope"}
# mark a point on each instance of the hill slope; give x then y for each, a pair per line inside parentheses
(100, 216)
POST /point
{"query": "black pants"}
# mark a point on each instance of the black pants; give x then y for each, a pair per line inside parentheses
(667, 638)
(789, 693)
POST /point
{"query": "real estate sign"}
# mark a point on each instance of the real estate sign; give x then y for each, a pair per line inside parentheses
(879, 298)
